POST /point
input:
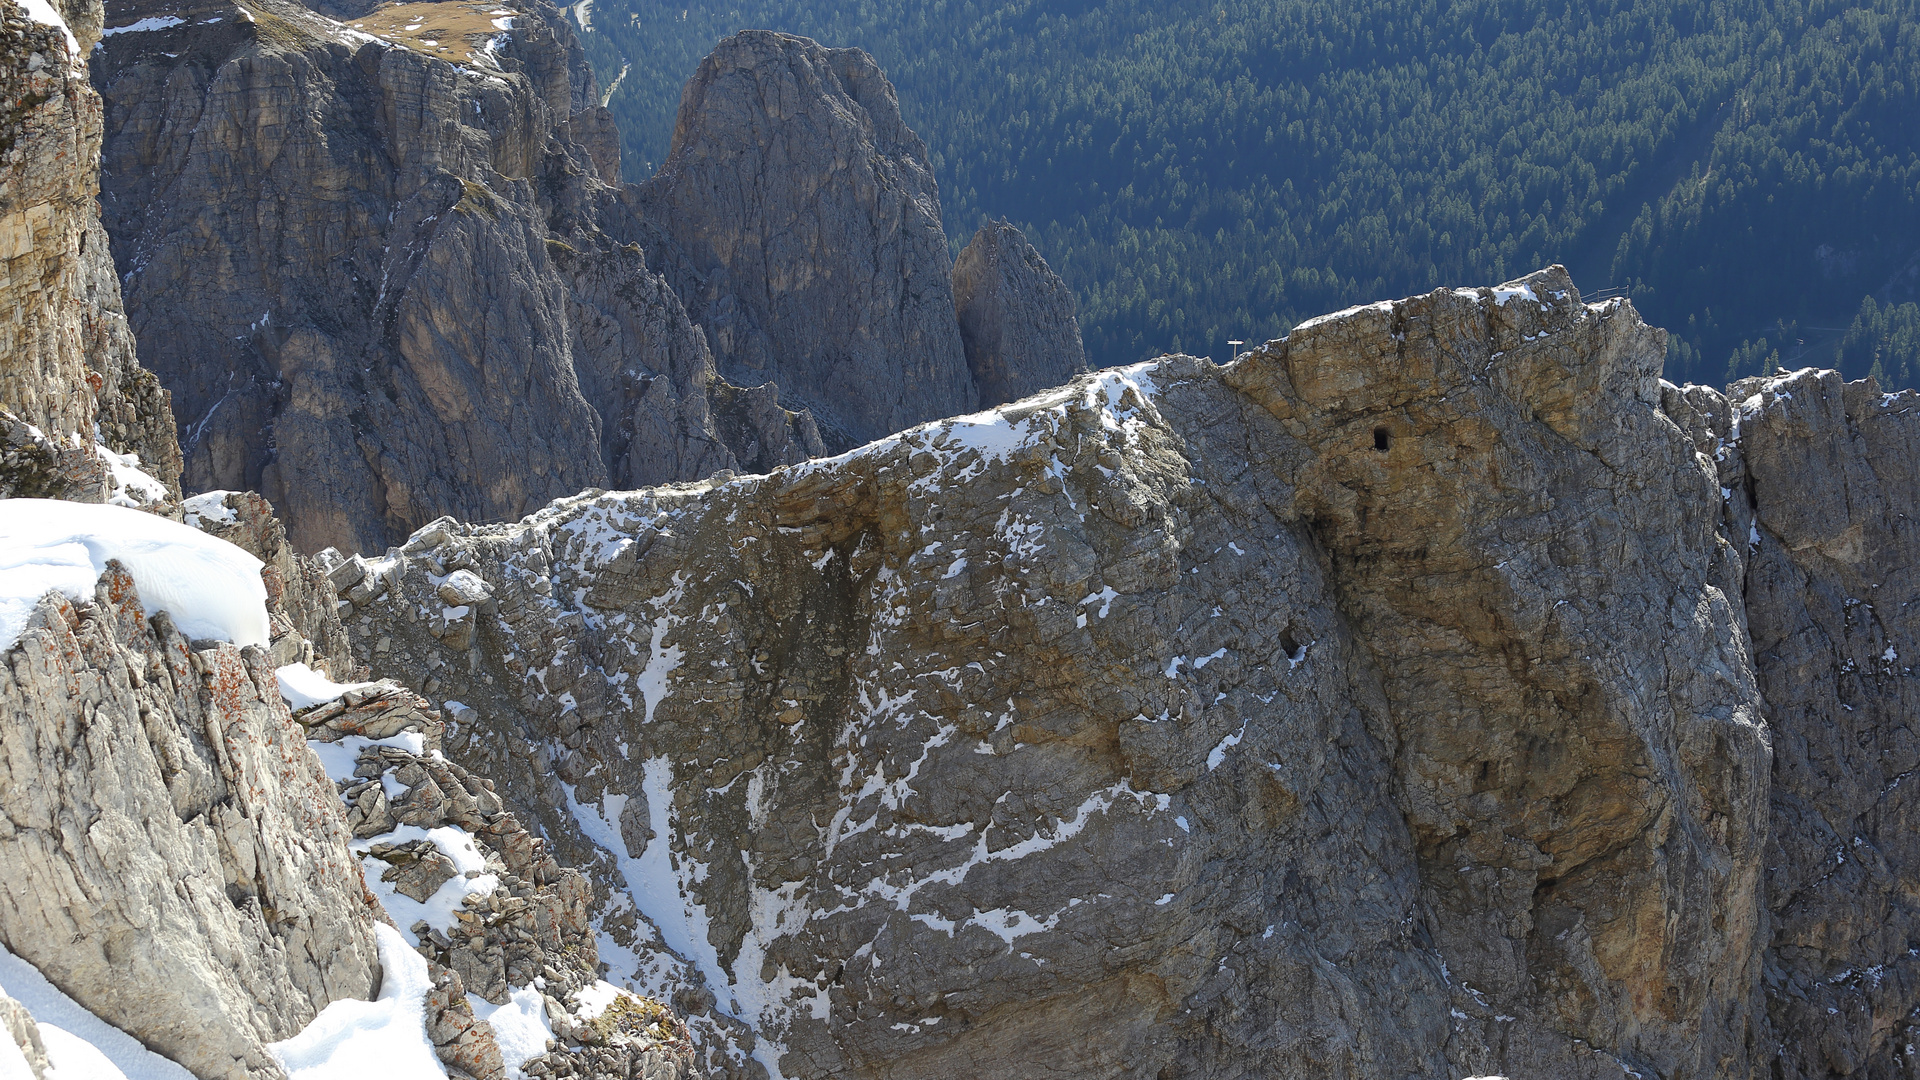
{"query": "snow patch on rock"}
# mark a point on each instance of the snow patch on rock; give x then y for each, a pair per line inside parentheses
(387, 1037)
(210, 587)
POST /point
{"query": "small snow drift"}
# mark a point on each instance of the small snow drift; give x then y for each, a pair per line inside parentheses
(303, 688)
(210, 587)
(354, 1039)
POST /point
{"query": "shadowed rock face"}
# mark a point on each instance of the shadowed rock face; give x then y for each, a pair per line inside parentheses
(1821, 475)
(1017, 318)
(798, 219)
(385, 285)
(1387, 703)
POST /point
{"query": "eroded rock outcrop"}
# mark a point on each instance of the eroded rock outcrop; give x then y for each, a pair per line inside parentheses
(1400, 700)
(73, 401)
(520, 936)
(383, 277)
(302, 603)
(175, 858)
(798, 218)
(1017, 318)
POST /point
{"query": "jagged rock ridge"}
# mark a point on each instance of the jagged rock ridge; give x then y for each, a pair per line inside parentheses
(434, 297)
(384, 285)
(1382, 704)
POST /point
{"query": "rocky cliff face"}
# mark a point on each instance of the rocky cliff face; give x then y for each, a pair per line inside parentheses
(180, 868)
(1821, 473)
(384, 275)
(177, 860)
(1017, 318)
(801, 223)
(383, 259)
(1432, 692)
(71, 392)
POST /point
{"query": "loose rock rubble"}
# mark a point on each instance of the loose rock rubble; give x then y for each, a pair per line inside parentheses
(521, 921)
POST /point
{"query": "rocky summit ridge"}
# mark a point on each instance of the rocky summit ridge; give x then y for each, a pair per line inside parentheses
(1432, 692)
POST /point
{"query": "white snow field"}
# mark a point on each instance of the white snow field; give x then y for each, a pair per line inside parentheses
(387, 1038)
(210, 587)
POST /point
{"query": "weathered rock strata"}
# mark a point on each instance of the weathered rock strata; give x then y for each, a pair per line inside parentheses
(175, 858)
(302, 602)
(68, 378)
(427, 301)
(183, 869)
(1375, 706)
(1383, 704)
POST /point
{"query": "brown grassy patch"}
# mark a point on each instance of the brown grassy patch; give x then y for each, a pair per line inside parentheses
(450, 30)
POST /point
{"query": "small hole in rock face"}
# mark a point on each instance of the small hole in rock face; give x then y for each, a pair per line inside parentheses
(1382, 439)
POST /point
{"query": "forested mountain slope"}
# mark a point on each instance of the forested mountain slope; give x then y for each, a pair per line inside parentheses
(1744, 169)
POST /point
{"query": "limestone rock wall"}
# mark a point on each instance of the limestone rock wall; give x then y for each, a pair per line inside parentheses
(1401, 700)
(1536, 558)
(177, 861)
(1017, 318)
(383, 280)
(67, 366)
(798, 218)
(1833, 605)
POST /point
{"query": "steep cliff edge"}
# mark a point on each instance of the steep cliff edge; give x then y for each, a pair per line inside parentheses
(74, 404)
(380, 268)
(1018, 320)
(800, 221)
(1400, 700)
(1821, 474)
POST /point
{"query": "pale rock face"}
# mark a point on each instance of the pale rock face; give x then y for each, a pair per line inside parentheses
(1017, 318)
(387, 286)
(177, 861)
(17, 1025)
(1822, 478)
(1382, 704)
(798, 218)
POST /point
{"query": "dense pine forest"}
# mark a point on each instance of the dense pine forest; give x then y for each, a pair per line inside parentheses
(1745, 171)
